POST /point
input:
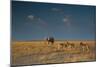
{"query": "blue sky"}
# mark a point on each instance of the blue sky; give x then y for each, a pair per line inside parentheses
(35, 21)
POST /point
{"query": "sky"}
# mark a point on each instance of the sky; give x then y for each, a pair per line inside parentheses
(36, 21)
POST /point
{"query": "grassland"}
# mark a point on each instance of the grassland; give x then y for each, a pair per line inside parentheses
(39, 52)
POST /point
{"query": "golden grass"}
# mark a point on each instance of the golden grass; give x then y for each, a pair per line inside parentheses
(39, 52)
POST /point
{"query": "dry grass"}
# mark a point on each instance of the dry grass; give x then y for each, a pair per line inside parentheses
(39, 52)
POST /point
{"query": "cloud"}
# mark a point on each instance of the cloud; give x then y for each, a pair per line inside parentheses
(37, 20)
(42, 22)
(58, 10)
(66, 21)
(31, 17)
(55, 9)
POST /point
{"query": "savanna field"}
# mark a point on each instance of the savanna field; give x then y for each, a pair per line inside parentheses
(40, 52)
